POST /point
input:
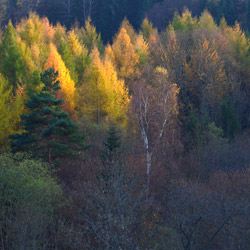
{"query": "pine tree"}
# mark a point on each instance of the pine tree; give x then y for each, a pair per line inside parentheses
(49, 132)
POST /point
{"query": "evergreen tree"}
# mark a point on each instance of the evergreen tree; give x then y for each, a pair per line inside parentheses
(112, 144)
(110, 156)
(49, 132)
(229, 121)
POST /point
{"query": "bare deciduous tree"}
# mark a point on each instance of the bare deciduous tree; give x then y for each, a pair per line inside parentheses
(155, 107)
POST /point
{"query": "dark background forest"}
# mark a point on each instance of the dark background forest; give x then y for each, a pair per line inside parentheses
(125, 124)
(107, 15)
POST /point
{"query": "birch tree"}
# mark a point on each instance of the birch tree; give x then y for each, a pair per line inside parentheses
(155, 107)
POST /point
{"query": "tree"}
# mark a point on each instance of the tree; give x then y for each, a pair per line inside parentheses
(89, 37)
(142, 50)
(112, 211)
(129, 30)
(155, 107)
(12, 65)
(29, 204)
(103, 96)
(206, 77)
(112, 145)
(63, 49)
(11, 107)
(67, 85)
(206, 21)
(49, 133)
(185, 22)
(124, 57)
(147, 29)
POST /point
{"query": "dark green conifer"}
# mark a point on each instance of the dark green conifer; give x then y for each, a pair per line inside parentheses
(112, 144)
(110, 156)
(49, 132)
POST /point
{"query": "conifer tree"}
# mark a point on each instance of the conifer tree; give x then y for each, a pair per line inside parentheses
(89, 37)
(207, 22)
(110, 155)
(185, 22)
(67, 58)
(142, 50)
(67, 85)
(125, 58)
(112, 144)
(49, 132)
(11, 62)
(147, 29)
(11, 107)
(104, 97)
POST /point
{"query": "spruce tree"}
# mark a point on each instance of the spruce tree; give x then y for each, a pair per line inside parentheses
(49, 132)
(112, 144)
(110, 156)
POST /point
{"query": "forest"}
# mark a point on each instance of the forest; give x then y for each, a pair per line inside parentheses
(124, 131)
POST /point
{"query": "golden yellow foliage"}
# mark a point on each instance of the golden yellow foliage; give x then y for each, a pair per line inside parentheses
(125, 58)
(89, 37)
(35, 53)
(238, 39)
(109, 53)
(103, 96)
(185, 22)
(11, 107)
(155, 51)
(206, 72)
(147, 29)
(26, 56)
(75, 48)
(48, 31)
(30, 34)
(130, 30)
(36, 33)
(67, 85)
(59, 34)
(207, 22)
(141, 49)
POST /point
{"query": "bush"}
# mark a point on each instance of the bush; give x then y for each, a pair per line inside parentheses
(29, 198)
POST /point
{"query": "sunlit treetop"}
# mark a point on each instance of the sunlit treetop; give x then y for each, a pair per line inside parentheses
(185, 22)
(207, 22)
(67, 85)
